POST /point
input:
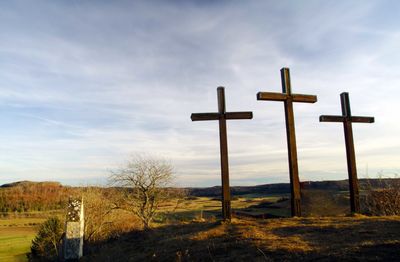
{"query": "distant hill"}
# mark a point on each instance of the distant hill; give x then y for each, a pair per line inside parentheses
(279, 188)
(31, 183)
(284, 188)
(26, 196)
(241, 190)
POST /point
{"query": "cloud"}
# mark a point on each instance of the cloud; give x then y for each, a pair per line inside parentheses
(84, 85)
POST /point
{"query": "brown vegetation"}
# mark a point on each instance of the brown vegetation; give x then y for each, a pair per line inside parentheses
(31, 196)
(384, 199)
(103, 220)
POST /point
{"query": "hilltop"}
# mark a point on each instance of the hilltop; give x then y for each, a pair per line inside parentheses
(289, 239)
(26, 183)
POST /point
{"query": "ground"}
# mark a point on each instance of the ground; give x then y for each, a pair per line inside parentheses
(289, 239)
(192, 231)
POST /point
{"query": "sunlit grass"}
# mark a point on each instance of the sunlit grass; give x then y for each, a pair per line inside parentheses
(16, 235)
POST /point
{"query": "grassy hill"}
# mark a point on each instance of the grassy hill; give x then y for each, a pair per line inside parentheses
(187, 229)
(289, 239)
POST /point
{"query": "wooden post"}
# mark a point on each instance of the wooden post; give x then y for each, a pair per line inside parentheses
(223, 142)
(288, 98)
(222, 116)
(291, 144)
(347, 120)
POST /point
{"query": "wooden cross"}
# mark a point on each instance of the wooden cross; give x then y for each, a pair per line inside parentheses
(347, 120)
(288, 98)
(222, 116)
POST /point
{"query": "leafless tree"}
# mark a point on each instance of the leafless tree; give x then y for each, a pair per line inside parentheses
(143, 180)
(98, 213)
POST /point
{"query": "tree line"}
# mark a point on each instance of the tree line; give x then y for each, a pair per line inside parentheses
(33, 196)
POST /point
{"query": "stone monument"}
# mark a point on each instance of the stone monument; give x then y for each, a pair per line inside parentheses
(74, 227)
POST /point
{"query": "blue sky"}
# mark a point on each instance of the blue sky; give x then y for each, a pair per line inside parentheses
(84, 85)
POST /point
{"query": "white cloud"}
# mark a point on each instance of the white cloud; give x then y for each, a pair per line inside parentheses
(83, 85)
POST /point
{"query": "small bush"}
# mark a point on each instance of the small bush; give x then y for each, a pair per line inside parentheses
(46, 244)
(383, 202)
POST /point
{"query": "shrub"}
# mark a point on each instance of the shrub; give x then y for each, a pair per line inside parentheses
(46, 244)
(384, 200)
(103, 220)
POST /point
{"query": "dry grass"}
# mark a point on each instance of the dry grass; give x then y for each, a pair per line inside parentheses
(317, 239)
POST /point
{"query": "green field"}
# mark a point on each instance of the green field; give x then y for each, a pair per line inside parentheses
(16, 235)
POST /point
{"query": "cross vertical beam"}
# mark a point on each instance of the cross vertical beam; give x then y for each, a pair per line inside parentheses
(347, 120)
(350, 154)
(223, 142)
(291, 144)
(288, 98)
(222, 116)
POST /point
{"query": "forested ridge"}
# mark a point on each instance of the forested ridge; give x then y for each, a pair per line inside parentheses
(28, 196)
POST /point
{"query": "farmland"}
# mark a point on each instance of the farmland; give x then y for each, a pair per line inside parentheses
(16, 235)
(207, 207)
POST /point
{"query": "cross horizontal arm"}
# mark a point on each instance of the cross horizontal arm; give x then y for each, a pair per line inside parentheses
(205, 116)
(238, 115)
(271, 96)
(362, 119)
(304, 98)
(282, 97)
(331, 118)
(355, 119)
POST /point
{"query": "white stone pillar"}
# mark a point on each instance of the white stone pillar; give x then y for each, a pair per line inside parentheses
(74, 227)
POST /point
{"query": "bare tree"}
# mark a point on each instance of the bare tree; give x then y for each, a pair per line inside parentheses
(98, 213)
(143, 179)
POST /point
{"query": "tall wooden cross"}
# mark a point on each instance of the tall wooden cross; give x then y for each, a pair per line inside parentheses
(347, 119)
(222, 116)
(288, 98)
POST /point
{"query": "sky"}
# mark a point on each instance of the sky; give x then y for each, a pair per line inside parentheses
(87, 85)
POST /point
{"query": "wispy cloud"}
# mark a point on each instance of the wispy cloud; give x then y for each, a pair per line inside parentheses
(83, 85)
